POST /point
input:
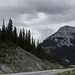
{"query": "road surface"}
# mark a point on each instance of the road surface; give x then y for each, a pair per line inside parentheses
(46, 72)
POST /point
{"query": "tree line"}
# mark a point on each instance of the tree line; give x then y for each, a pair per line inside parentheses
(10, 34)
(24, 40)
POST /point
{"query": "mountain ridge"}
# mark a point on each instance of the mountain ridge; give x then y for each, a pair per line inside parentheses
(61, 41)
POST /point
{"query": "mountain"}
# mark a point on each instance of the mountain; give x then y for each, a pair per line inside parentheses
(14, 59)
(61, 44)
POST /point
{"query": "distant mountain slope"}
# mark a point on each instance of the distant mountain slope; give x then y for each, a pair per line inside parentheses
(15, 59)
(62, 44)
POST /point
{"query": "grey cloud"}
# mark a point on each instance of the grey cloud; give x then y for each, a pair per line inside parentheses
(55, 12)
(53, 6)
(32, 6)
(28, 6)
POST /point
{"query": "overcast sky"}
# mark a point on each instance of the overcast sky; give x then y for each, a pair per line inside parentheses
(42, 17)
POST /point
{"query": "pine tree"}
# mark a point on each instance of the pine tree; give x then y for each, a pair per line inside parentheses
(3, 35)
(34, 44)
(23, 35)
(26, 37)
(38, 42)
(7, 33)
(32, 41)
(10, 29)
(15, 35)
(26, 41)
(20, 39)
(40, 51)
(0, 35)
(29, 40)
(33, 47)
(23, 38)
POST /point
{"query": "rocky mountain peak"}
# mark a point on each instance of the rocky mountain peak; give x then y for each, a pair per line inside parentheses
(65, 31)
(61, 41)
(63, 36)
(65, 28)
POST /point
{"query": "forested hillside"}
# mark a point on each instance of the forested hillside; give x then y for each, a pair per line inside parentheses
(9, 35)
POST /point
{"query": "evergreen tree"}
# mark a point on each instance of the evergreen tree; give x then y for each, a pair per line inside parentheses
(0, 35)
(33, 44)
(26, 41)
(10, 29)
(32, 41)
(26, 37)
(15, 35)
(29, 40)
(23, 38)
(3, 32)
(7, 33)
(29, 37)
(40, 51)
(23, 35)
(20, 39)
(38, 42)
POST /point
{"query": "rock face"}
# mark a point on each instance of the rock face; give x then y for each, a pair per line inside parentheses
(23, 61)
(62, 43)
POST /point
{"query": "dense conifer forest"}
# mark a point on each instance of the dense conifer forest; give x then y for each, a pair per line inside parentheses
(25, 40)
(10, 34)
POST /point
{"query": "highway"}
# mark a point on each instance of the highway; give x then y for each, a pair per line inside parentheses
(46, 72)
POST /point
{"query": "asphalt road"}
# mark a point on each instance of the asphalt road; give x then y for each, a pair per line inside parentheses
(46, 72)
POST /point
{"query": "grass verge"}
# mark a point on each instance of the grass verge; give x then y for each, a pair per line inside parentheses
(67, 73)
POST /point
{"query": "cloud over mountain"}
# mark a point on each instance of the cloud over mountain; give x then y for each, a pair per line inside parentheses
(40, 15)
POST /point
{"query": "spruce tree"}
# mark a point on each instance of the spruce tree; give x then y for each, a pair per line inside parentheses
(23, 38)
(29, 40)
(20, 39)
(40, 51)
(23, 35)
(7, 34)
(0, 35)
(26, 40)
(38, 42)
(32, 44)
(3, 32)
(33, 47)
(10, 29)
(15, 35)
(32, 41)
